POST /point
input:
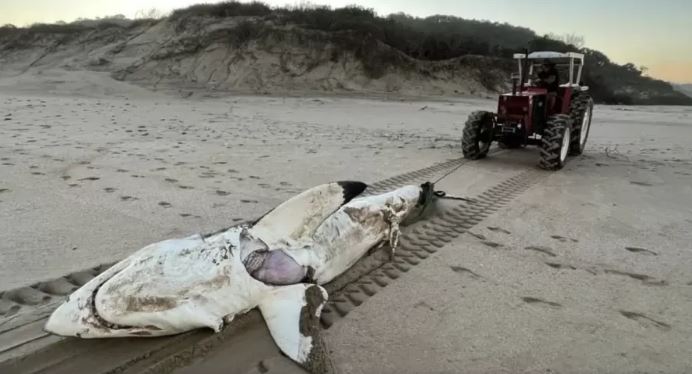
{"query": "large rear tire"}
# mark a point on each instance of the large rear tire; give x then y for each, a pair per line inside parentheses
(555, 142)
(581, 112)
(478, 135)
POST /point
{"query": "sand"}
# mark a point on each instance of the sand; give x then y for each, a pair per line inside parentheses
(90, 179)
(587, 270)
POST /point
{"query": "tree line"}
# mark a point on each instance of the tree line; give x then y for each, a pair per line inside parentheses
(433, 38)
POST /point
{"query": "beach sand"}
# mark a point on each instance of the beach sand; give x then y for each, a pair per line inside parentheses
(582, 270)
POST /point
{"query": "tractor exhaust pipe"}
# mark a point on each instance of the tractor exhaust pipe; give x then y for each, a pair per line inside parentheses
(522, 74)
(515, 80)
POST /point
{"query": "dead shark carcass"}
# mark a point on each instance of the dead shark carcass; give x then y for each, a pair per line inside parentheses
(178, 285)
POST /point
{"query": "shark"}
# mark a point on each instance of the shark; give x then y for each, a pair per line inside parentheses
(277, 264)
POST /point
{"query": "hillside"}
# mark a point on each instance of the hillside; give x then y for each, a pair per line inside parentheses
(238, 47)
(684, 88)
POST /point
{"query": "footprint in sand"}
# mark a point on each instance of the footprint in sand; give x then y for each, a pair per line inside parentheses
(563, 239)
(491, 244)
(648, 280)
(641, 183)
(558, 237)
(538, 301)
(557, 265)
(641, 250)
(498, 229)
(544, 250)
(645, 320)
(477, 236)
(423, 304)
(463, 270)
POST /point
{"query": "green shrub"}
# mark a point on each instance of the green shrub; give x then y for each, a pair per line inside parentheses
(224, 9)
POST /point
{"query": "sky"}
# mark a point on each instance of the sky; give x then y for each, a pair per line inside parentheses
(652, 33)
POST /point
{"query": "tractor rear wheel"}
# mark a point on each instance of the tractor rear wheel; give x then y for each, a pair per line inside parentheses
(555, 142)
(478, 134)
(580, 112)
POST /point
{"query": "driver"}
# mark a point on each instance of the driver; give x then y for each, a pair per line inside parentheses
(548, 77)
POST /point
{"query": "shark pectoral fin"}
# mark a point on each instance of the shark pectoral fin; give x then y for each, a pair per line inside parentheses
(292, 315)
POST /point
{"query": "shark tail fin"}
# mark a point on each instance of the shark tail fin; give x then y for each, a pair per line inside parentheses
(292, 314)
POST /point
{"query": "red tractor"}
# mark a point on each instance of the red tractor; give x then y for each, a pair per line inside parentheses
(555, 117)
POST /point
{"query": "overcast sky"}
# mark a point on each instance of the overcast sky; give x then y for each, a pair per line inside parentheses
(656, 34)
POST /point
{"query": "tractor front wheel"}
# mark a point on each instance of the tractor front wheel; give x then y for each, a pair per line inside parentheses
(581, 111)
(478, 134)
(555, 142)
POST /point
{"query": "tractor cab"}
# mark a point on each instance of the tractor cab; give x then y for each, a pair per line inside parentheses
(547, 105)
(530, 103)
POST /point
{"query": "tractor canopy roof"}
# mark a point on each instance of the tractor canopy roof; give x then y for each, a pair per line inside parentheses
(553, 57)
